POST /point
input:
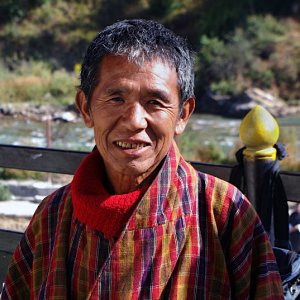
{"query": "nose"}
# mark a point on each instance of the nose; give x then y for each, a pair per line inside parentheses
(135, 117)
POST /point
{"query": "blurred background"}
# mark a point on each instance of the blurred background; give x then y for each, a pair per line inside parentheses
(247, 53)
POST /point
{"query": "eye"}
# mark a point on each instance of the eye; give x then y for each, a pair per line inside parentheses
(154, 102)
(116, 100)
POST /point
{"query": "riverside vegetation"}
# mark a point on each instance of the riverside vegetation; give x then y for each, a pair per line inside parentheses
(237, 46)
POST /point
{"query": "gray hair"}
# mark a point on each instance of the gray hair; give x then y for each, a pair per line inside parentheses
(139, 40)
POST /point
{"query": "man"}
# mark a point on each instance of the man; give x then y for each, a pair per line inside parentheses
(137, 221)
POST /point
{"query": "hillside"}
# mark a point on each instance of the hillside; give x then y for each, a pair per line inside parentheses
(237, 46)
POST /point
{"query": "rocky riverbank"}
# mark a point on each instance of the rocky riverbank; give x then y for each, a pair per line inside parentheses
(239, 106)
(40, 112)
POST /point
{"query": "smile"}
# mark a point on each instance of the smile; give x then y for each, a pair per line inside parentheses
(125, 145)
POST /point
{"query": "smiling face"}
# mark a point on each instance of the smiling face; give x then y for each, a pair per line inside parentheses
(135, 114)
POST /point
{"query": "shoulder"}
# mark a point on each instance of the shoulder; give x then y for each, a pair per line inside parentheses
(227, 204)
(219, 192)
(51, 209)
(55, 200)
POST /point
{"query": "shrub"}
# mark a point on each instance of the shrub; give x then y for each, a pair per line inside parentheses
(211, 153)
(257, 54)
(224, 87)
(62, 87)
(22, 89)
(213, 58)
(6, 174)
(220, 65)
(261, 78)
(4, 193)
(34, 81)
(264, 32)
(34, 68)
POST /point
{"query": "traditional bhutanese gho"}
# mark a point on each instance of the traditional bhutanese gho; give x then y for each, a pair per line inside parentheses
(187, 235)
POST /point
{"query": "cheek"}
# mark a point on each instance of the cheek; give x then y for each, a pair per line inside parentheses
(166, 126)
(166, 120)
(164, 134)
(99, 136)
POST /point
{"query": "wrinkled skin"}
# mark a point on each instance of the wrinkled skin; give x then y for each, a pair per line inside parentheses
(135, 113)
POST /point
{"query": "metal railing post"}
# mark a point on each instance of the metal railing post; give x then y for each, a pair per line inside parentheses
(259, 132)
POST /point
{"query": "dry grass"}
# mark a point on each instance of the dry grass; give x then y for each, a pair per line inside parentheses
(12, 222)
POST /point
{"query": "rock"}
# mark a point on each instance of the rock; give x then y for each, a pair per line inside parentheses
(238, 107)
(254, 96)
(40, 112)
(29, 189)
(65, 116)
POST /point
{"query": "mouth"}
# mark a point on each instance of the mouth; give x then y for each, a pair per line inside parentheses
(125, 145)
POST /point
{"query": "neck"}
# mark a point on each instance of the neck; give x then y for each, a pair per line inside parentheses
(122, 185)
(119, 183)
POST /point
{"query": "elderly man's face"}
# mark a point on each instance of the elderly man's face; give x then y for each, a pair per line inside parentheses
(135, 114)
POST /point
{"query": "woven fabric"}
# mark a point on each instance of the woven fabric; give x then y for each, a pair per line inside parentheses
(191, 236)
(94, 205)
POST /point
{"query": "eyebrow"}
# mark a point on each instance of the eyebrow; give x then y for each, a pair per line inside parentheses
(160, 94)
(118, 90)
(155, 93)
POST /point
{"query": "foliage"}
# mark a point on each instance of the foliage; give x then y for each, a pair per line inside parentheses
(36, 82)
(4, 193)
(12, 9)
(7, 174)
(288, 137)
(264, 33)
(54, 32)
(260, 54)
(62, 87)
(238, 44)
(211, 153)
(261, 78)
(222, 16)
(224, 87)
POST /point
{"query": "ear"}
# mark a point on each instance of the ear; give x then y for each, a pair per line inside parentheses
(82, 106)
(186, 111)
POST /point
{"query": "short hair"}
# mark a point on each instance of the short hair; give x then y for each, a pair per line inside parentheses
(139, 40)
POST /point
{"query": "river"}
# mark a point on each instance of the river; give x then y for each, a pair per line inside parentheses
(218, 135)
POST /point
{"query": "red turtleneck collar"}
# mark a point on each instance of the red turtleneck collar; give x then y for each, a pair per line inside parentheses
(93, 205)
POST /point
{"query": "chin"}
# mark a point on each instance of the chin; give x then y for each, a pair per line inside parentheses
(136, 170)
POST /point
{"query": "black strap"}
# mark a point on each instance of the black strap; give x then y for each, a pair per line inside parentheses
(272, 197)
(237, 173)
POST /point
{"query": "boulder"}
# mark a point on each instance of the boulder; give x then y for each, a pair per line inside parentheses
(239, 106)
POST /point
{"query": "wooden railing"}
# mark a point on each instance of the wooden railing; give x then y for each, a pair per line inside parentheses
(66, 162)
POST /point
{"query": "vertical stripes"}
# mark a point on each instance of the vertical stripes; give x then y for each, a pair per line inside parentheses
(192, 236)
(203, 257)
(148, 250)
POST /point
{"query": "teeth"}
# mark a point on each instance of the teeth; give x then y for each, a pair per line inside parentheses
(129, 145)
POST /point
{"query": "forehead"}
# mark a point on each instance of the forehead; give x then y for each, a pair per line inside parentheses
(114, 69)
(117, 61)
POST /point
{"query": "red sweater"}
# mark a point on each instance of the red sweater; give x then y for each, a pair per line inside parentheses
(93, 205)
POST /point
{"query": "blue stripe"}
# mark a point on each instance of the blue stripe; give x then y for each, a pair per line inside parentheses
(148, 248)
(202, 263)
(163, 187)
(185, 196)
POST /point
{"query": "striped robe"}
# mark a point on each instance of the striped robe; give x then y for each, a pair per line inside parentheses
(192, 236)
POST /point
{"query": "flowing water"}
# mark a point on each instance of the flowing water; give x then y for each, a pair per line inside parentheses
(212, 132)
